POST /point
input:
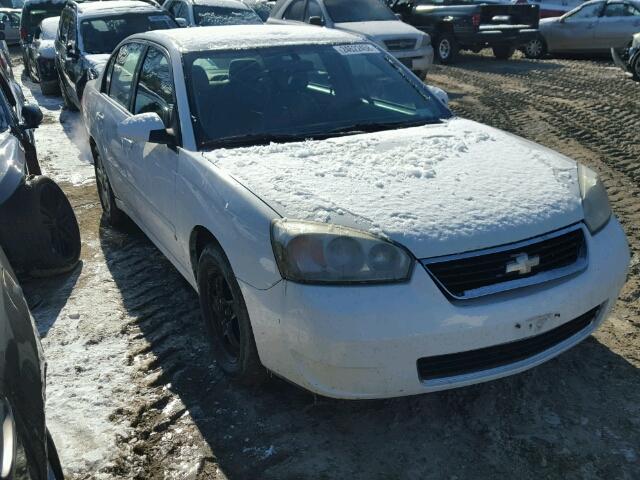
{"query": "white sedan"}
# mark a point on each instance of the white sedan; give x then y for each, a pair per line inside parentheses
(343, 229)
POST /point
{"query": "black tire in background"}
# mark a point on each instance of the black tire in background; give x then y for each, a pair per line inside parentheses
(446, 48)
(38, 229)
(68, 104)
(535, 48)
(47, 88)
(227, 319)
(503, 52)
(114, 216)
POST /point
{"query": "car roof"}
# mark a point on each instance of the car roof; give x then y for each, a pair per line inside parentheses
(90, 8)
(240, 37)
(222, 3)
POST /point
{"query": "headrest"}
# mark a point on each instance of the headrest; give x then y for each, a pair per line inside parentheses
(245, 70)
(199, 78)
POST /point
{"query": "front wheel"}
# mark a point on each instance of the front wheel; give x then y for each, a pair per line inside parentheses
(503, 52)
(227, 319)
(446, 48)
(114, 216)
(535, 48)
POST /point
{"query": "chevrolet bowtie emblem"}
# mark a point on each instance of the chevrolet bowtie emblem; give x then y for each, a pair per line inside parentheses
(523, 264)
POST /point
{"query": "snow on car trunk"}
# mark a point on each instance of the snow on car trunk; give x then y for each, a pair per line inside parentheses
(437, 189)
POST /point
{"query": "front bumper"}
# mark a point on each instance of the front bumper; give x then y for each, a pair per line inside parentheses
(365, 341)
(416, 60)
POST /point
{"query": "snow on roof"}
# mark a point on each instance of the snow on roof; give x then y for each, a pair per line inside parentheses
(99, 7)
(223, 3)
(237, 37)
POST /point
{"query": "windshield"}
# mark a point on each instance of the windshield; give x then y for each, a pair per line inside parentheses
(207, 16)
(102, 35)
(296, 92)
(32, 17)
(358, 10)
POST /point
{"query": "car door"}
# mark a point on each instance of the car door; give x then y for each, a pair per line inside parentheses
(153, 166)
(576, 31)
(619, 21)
(117, 93)
(70, 60)
(12, 28)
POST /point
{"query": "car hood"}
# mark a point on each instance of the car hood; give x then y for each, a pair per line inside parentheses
(97, 61)
(380, 29)
(437, 189)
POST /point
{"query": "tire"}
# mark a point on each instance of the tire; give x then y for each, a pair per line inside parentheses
(68, 104)
(114, 216)
(39, 230)
(47, 88)
(227, 319)
(503, 52)
(635, 68)
(54, 467)
(446, 48)
(535, 49)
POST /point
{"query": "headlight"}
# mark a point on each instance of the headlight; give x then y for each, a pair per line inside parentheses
(311, 252)
(92, 74)
(595, 201)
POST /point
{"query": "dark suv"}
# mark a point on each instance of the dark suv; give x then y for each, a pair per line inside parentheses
(33, 12)
(90, 31)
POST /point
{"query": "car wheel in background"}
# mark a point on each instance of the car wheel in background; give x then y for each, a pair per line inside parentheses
(68, 104)
(114, 216)
(47, 88)
(503, 52)
(227, 319)
(446, 48)
(39, 230)
(535, 48)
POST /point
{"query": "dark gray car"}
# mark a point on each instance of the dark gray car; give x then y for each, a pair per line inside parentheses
(594, 27)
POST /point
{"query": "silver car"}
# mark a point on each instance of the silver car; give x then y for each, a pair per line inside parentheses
(10, 24)
(594, 27)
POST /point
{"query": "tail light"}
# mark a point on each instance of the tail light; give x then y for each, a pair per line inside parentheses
(23, 33)
(475, 19)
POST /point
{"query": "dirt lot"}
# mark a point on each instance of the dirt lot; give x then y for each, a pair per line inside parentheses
(176, 416)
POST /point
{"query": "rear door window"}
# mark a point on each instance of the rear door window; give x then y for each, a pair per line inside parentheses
(123, 73)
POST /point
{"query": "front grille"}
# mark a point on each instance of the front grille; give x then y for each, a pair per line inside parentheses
(454, 364)
(400, 44)
(525, 263)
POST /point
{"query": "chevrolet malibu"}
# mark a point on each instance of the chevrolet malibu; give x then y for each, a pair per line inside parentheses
(343, 228)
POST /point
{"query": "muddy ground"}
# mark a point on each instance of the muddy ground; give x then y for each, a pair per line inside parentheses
(577, 416)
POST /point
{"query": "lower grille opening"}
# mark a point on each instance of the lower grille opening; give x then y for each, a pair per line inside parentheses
(454, 364)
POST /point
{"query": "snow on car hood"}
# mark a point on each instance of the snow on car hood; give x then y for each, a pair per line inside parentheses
(380, 29)
(97, 60)
(437, 189)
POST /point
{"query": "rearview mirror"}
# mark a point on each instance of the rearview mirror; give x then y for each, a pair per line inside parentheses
(144, 127)
(182, 22)
(439, 94)
(31, 116)
(317, 21)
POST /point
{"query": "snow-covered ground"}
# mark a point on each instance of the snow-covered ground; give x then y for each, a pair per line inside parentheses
(88, 376)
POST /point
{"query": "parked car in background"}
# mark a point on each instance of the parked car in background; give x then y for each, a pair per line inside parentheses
(629, 58)
(262, 7)
(10, 25)
(38, 229)
(370, 18)
(90, 31)
(42, 53)
(325, 208)
(595, 27)
(17, 4)
(207, 13)
(463, 25)
(26, 447)
(33, 13)
(552, 8)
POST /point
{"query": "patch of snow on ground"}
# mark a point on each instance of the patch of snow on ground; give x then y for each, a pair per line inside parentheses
(438, 189)
(61, 139)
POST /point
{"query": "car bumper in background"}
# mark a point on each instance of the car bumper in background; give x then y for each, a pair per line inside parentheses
(495, 38)
(380, 341)
(416, 60)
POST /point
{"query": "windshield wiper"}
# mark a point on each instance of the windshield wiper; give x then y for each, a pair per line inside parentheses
(377, 127)
(252, 139)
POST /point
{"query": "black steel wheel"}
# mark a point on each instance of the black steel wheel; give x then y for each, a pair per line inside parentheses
(227, 319)
(114, 216)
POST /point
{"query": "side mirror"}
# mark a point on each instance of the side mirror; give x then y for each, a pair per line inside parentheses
(439, 94)
(317, 21)
(182, 22)
(31, 116)
(145, 127)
